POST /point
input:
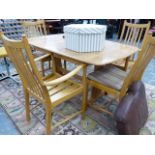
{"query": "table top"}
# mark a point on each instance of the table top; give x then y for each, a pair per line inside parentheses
(112, 52)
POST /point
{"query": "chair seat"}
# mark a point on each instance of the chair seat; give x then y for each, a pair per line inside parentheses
(3, 52)
(109, 76)
(62, 92)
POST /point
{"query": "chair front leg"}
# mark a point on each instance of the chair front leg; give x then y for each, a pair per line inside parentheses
(48, 121)
(27, 104)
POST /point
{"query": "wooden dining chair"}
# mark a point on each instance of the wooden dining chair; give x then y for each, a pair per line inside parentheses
(36, 29)
(115, 81)
(51, 90)
(134, 35)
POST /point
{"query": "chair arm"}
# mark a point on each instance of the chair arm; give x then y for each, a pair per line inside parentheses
(65, 77)
(41, 57)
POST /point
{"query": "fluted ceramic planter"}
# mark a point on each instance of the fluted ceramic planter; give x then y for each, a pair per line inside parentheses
(85, 37)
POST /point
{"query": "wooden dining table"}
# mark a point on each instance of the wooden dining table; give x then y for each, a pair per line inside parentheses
(55, 44)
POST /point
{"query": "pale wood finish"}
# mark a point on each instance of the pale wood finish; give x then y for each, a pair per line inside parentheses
(33, 29)
(38, 28)
(113, 51)
(136, 72)
(51, 91)
(3, 52)
(132, 34)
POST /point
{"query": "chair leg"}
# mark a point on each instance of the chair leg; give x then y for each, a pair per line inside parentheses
(27, 104)
(65, 64)
(42, 68)
(121, 95)
(8, 72)
(126, 63)
(7, 66)
(49, 64)
(95, 94)
(48, 121)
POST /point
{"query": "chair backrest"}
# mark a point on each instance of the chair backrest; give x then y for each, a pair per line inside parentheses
(34, 28)
(21, 55)
(144, 57)
(133, 34)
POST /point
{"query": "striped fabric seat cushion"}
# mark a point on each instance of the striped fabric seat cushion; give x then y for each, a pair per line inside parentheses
(110, 76)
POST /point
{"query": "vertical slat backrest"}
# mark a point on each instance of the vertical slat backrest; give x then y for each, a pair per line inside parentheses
(144, 57)
(20, 54)
(149, 52)
(133, 34)
(34, 28)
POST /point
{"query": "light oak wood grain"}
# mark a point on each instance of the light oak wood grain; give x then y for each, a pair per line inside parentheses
(115, 81)
(33, 29)
(3, 52)
(112, 52)
(132, 34)
(51, 91)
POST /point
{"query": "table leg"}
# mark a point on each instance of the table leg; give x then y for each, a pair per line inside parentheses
(95, 92)
(58, 65)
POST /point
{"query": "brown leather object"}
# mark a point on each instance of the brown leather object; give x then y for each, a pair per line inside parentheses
(132, 112)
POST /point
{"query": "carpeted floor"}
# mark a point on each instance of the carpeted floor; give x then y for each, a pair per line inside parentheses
(95, 123)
